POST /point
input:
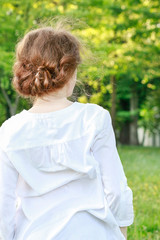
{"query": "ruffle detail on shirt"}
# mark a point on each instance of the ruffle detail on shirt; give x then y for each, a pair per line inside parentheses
(65, 158)
(46, 168)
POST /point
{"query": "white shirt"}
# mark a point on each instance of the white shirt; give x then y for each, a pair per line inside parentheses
(53, 165)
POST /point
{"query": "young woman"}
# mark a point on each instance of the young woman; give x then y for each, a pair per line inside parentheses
(61, 177)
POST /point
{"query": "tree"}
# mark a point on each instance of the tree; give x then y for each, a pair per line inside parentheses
(124, 39)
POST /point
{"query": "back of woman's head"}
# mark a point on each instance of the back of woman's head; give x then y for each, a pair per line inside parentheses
(46, 59)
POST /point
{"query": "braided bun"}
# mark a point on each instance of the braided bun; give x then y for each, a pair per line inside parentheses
(45, 61)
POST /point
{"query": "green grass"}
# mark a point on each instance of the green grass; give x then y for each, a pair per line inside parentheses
(142, 169)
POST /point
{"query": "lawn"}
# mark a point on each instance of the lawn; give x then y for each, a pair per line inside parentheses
(142, 169)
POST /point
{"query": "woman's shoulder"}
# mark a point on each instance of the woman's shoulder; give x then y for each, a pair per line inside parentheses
(11, 121)
(11, 125)
(94, 107)
(96, 114)
(98, 110)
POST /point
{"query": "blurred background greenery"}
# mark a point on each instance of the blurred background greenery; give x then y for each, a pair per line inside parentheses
(122, 76)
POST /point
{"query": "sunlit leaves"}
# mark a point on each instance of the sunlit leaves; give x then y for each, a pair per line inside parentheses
(123, 37)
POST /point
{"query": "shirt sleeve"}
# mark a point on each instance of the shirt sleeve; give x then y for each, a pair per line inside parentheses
(118, 194)
(8, 182)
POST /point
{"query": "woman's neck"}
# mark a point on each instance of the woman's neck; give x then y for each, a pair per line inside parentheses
(49, 105)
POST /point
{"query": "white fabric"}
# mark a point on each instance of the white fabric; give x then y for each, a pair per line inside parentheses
(54, 167)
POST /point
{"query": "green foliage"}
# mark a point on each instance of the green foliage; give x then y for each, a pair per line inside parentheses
(121, 39)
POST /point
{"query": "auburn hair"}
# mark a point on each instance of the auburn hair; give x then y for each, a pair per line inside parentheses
(46, 59)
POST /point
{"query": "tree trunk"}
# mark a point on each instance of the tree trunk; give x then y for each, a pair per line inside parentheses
(143, 138)
(113, 101)
(11, 107)
(124, 133)
(134, 117)
(153, 139)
